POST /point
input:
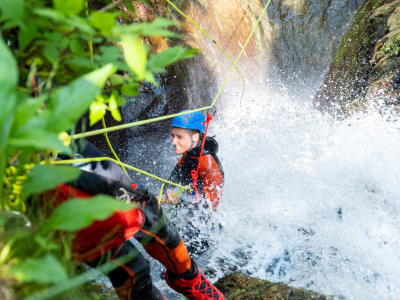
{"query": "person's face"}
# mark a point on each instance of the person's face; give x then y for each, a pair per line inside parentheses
(182, 139)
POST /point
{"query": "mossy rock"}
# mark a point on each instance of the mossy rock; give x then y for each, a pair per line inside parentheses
(241, 287)
(369, 52)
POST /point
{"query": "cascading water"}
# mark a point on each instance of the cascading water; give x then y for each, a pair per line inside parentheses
(308, 200)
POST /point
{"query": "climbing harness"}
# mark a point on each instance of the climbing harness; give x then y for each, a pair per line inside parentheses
(195, 173)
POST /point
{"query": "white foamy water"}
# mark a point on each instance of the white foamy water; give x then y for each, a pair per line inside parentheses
(308, 200)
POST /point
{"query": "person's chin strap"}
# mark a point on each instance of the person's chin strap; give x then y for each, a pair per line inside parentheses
(195, 173)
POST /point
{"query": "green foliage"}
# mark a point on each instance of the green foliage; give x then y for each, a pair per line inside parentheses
(43, 270)
(44, 177)
(58, 61)
(70, 7)
(75, 214)
(158, 62)
(12, 12)
(71, 101)
(135, 54)
(103, 21)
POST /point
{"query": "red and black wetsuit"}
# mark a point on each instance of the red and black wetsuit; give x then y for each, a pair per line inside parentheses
(211, 176)
(109, 239)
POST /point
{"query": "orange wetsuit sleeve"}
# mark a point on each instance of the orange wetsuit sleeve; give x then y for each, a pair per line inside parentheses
(212, 179)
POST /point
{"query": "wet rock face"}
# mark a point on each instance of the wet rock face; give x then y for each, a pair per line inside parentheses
(237, 286)
(229, 23)
(307, 35)
(366, 66)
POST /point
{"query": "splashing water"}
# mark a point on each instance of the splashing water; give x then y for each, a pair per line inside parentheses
(309, 200)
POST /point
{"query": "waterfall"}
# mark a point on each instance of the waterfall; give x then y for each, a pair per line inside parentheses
(309, 200)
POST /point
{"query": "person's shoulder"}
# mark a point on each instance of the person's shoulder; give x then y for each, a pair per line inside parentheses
(211, 145)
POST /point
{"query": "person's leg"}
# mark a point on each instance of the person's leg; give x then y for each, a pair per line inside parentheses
(131, 280)
(162, 241)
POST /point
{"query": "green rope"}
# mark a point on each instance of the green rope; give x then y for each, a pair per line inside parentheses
(98, 159)
(110, 146)
(240, 54)
(105, 130)
(210, 38)
(133, 124)
(138, 123)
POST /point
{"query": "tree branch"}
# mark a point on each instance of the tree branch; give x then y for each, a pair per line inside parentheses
(112, 5)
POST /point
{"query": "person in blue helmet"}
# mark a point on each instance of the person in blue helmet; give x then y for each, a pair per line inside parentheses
(187, 136)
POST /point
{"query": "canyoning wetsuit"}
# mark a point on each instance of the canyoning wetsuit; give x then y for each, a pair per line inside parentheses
(210, 183)
(211, 176)
(108, 239)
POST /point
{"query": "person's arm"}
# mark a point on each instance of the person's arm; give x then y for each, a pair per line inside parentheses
(212, 179)
(175, 176)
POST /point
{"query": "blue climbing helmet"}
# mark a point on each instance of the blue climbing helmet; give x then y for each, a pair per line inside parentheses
(190, 121)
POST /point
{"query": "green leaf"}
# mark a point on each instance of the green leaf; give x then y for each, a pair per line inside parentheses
(8, 70)
(158, 62)
(39, 139)
(26, 111)
(116, 79)
(120, 99)
(149, 76)
(45, 244)
(113, 107)
(130, 89)
(81, 24)
(112, 54)
(70, 102)
(43, 270)
(103, 21)
(12, 10)
(51, 52)
(135, 54)
(26, 35)
(100, 76)
(8, 82)
(97, 112)
(81, 64)
(45, 177)
(69, 7)
(157, 27)
(76, 47)
(76, 214)
(50, 13)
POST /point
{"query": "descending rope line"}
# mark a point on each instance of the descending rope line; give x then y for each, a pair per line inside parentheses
(105, 130)
(157, 119)
(98, 159)
(210, 38)
(110, 146)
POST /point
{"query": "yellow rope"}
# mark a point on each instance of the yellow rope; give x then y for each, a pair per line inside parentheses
(98, 159)
(105, 130)
(110, 146)
(210, 38)
(152, 120)
(160, 195)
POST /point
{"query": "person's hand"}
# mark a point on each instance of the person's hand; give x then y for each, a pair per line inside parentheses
(170, 198)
